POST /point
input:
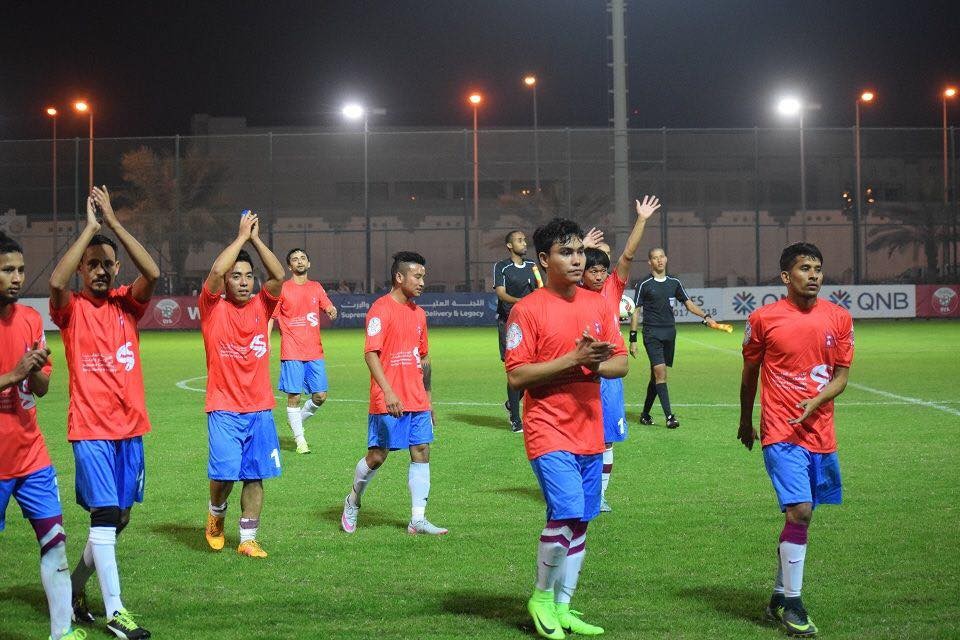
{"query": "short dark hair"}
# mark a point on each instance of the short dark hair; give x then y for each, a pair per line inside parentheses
(293, 251)
(402, 258)
(243, 256)
(793, 251)
(652, 249)
(557, 231)
(102, 239)
(9, 245)
(507, 239)
(596, 257)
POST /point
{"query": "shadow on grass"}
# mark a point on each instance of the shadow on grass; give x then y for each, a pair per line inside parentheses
(733, 602)
(190, 536)
(532, 493)
(368, 518)
(508, 610)
(29, 594)
(491, 422)
(287, 443)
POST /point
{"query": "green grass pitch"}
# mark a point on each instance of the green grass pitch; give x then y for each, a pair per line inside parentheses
(688, 551)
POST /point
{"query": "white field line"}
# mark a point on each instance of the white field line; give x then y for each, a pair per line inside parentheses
(898, 400)
(940, 405)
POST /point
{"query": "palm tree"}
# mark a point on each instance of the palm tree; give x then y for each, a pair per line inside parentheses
(911, 227)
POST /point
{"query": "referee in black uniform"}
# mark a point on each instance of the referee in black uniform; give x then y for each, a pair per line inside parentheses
(655, 296)
(513, 278)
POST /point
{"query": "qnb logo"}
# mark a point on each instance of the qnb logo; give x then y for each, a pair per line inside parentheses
(744, 303)
(258, 346)
(313, 319)
(841, 297)
(126, 357)
(821, 375)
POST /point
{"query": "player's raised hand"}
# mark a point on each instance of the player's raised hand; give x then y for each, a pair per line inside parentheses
(247, 223)
(592, 239)
(102, 197)
(747, 435)
(809, 406)
(646, 208)
(92, 223)
(394, 405)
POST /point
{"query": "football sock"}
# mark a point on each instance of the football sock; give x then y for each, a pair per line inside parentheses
(84, 569)
(248, 529)
(607, 469)
(793, 551)
(778, 582)
(570, 573)
(218, 512)
(513, 397)
(54, 572)
(651, 396)
(295, 420)
(361, 478)
(308, 409)
(103, 541)
(418, 479)
(664, 396)
(551, 552)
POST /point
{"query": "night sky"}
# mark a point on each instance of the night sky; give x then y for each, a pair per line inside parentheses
(148, 66)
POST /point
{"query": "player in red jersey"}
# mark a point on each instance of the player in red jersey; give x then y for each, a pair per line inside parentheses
(302, 366)
(108, 415)
(241, 434)
(561, 340)
(25, 470)
(397, 354)
(801, 348)
(598, 277)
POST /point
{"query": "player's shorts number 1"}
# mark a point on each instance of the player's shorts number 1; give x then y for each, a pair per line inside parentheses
(276, 457)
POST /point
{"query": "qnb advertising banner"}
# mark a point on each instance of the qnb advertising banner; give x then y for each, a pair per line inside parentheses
(938, 301)
(862, 301)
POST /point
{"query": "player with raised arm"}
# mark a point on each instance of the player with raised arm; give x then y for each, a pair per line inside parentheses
(561, 341)
(513, 278)
(801, 348)
(610, 284)
(107, 417)
(302, 366)
(241, 434)
(26, 473)
(655, 297)
(397, 354)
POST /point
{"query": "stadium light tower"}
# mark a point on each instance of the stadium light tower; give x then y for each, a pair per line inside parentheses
(530, 80)
(475, 100)
(790, 106)
(948, 94)
(52, 113)
(866, 97)
(82, 106)
(355, 111)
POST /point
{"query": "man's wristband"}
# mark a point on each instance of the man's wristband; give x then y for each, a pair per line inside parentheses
(633, 337)
(706, 318)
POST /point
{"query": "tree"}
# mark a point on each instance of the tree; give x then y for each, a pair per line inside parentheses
(171, 213)
(536, 210)
(911, 227)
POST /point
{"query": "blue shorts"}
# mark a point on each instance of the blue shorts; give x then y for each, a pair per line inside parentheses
(410, 429)
(614, 410)
(37, 495)
(243, 446)
(799, 475)
(297, 376)
(110, 473)
(570, 484)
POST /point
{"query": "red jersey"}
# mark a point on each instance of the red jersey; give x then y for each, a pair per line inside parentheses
(798, 351)
(22, 450)
(565, 414)
(238, 361)
(612, 292)
(398, 332)
(298, 314)
(102, 346)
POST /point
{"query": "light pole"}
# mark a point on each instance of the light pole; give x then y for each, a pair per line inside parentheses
(791, 106)
(865, 98)
(475, 100)
(948, 93)
(52, 112)
(355, 111)
(82, 106)
(531, 81)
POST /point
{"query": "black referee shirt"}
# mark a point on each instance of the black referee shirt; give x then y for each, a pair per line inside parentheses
(516, 280)
(656, 298)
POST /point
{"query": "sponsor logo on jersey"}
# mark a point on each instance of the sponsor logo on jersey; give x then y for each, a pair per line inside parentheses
(258, 346)
(373, 327)
(126, 357)
(744, 303)
(416, 356)
(821, 375)
(313, 319)
(514, 336)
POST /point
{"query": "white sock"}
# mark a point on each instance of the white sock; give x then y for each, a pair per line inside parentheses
(791, 564)
(362, 476)
(248, 529)
(218, 512)
(567, 580)
(551, 553)
(308, 409)
(607, 466)
(295, 420)
(55, 576)
(778, 583)
(418, 479)
(84, 569)
(103, 541)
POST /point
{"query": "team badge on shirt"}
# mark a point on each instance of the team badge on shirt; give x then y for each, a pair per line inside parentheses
(514, 335)
(830, 341)
(373, 327)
